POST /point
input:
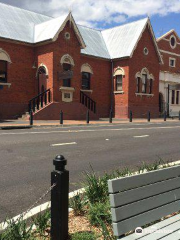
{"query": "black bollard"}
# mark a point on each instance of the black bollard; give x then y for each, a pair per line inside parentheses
(59, 199)
(61, 117)
(165, 116)
(31, 118)
(149, 116)
(179, 115)
(87, 117)
(110, 116)
(130, 116)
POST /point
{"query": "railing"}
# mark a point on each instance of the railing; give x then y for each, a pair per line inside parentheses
(40, 101)
(88, 102)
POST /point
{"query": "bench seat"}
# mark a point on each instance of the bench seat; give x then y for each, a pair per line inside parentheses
(168, 229)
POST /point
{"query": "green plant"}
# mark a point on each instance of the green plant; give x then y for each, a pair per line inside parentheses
(99, 211)
(95, 187)
(107, 234)
(83, 236)
(17, 230)
(42, 222)
(77, 203)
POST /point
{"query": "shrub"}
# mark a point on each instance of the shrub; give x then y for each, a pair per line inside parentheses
(42, 222)
(77, 204)
(83, 236)
(99, 212)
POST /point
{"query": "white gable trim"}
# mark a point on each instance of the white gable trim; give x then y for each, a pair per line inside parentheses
(71, 19)
(166, 34)
(154, 40)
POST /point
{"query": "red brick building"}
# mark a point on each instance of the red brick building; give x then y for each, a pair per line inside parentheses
(169, 96)
(48, 65)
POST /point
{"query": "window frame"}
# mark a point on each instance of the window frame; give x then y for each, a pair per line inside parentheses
(5, 72)
(86, 80)
(177, 97)
(174, 60)
(119, 83)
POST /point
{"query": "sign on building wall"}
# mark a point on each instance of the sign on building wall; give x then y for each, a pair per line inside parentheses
(174, 87)
(65, 75)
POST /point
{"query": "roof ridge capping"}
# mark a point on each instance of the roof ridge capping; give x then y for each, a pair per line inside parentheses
(26, 10)
(125, 24)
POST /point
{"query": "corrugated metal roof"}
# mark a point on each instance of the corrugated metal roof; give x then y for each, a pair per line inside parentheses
(22, 25)
(95, 45)
(47, 30)
(121, 40)
(18, 24)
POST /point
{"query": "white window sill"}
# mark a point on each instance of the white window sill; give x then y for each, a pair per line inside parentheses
(144, 94)
(86, 90)
(70, 89)
(118, 92)
(5, 84)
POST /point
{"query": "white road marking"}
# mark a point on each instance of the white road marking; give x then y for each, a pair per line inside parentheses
(91, 130)
(62, 144)
(143, 136)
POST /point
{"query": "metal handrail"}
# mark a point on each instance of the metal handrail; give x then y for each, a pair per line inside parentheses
(88, 102)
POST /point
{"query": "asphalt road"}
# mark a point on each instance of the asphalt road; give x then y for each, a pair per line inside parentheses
(26, 156)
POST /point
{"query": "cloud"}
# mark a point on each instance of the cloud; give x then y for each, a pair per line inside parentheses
(93, 12)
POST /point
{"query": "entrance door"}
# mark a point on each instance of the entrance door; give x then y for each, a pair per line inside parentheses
(42, 79)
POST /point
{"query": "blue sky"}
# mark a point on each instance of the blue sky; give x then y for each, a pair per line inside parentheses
(164, 14)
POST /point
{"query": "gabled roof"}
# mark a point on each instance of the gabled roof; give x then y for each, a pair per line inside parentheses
(33, 28)
(18, 24)
(122, 40)
(167, 34)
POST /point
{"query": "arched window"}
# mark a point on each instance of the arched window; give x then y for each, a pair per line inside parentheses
(138, 82)
(4, 59)
(3, 71)
(67, 63)
(119, 74)
(86, 71)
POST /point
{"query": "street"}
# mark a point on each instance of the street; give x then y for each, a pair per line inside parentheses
(26, 156)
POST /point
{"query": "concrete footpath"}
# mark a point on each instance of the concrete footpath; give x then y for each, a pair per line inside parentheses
(19, 124)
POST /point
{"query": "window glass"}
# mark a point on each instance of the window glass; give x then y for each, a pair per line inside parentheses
(86, 80)
(172, 62)
(3, 71)
(138, 85)
(173, 96)
(173, 41)
(119, 82)
(144, 83)
(177, 97)
(150, 86)
(66, 82)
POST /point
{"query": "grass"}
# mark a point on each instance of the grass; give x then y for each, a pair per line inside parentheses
(93, 203)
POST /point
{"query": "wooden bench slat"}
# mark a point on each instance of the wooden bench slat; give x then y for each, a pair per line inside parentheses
(125, 183)
(133, 195)
(132, 223)
(173, 236)
(153, 228)
(136, 208)
(163, 232)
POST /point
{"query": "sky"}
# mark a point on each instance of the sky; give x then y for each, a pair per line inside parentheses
(102, 14)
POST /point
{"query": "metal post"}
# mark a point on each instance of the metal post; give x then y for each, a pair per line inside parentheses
(130, 116)
(31, 118)
(61, 117)
(165, 115)
(87, 117)
(110, 116)
(179, 115)
(149, 116)
(59, 199)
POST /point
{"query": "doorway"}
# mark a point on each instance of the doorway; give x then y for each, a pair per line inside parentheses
(42, 79)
